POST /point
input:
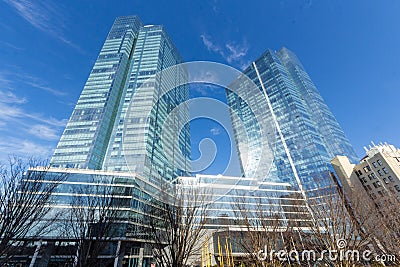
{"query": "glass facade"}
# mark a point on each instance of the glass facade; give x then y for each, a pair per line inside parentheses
(230, 200)
(122, 133)
(331, 133)
(85, 139)
(112, 112)
(120, 139)
(136, 140)
(128, 198)
(308, 135)
(115, 195)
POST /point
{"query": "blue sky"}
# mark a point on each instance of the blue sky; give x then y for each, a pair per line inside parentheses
(349, 48)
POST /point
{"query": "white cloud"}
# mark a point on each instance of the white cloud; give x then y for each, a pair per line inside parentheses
(206, 89)
(44, 132)
(215, 6)
(232, 52)
(22, 147)
(47, 120)
(34, 13)
(4, 81)
(15, 122)
(215, 131)
(201, 89)
(45, 88)
(210, 45)
(8, 80)
(7, 44)
(204, 76)
(9, 97)
(245, 64)
(13, 118)
(13, 115)
(30, 148)
(9, 111)
(236, 52)
(45, 16)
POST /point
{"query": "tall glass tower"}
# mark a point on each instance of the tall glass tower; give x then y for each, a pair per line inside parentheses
(135, 143)
(307, 133)
(120, 144)
(85, 139)
(93, 138)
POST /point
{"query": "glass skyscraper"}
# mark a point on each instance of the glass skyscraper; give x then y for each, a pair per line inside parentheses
(117, 139)
(93, 138)
(85, 139)
(307, 133)
(122, 135)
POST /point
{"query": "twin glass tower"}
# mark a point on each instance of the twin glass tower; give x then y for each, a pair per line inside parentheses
(122, 130)
(308, 135)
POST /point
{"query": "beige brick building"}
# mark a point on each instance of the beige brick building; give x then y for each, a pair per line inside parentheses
(377, 174)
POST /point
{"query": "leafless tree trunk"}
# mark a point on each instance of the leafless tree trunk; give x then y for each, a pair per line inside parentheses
(268, 227)
(377, 219)
(176, 224)
(385, 225)
(92, 221)
(342, 222)
(25, 204)
(331, 221)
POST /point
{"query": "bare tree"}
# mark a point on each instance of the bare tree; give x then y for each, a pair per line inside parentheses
(25, 204)
(385, 225)
(176, 224)
(93, 220)
(327, 220)
(342, 221)
(269, 226)
(376, 216)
